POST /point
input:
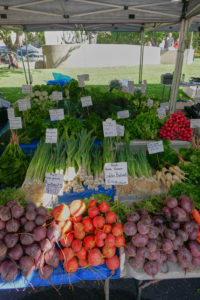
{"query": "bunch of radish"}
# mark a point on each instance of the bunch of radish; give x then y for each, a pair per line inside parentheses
(26, 243)
(170, 236)
(90, 240)
(176, 128)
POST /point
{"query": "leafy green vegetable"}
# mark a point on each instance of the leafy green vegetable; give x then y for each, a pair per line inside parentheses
(153, 204)
(10, 194)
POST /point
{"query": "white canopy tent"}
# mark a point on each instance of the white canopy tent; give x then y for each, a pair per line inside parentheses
(106, 15)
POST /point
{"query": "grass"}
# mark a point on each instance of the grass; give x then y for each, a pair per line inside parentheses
(12, 80)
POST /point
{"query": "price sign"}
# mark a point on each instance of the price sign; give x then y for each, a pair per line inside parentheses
(155, 147)
(24, 104)
(109, 128)
(195, 123)
(116, 173)
(164, 105)
(15, 123)
(131, 87)
(125, 82)
(11, 113)
(143, 89)
(26, 89)
(56, 114)
(161, 113)
(149, 103)
(86, 101)
(51, 136)
(57, 96)
(81, 79)
(81, 83)
(53, 183)
(123, 114)
(120, 130)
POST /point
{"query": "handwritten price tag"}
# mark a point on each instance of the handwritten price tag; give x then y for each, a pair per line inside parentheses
(57, 96)
(56, 114)
(53, 183)
(195, 123)
(109, 128)
(120, 130)
(27, 89)
(51, 136)
(81, 79)
(155, 147)
(15, 123)
(123, 114)
(11, 113)
(24, 104)
(86, 101)
(131, 87)
(149, 103)
(124, 82)
(116, 173)
(161, 113)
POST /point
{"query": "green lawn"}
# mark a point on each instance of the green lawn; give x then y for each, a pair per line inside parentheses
(12, 80)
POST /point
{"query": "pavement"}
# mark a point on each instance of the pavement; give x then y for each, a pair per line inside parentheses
(120, 289)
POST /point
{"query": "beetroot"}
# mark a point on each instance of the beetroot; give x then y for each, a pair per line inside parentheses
(153, 255)
(54, 233)
(39, 233)
(184, 258)
(183, 235)
(26, 239)
(16, 252)
(142, 252)
(151, 268)
(29, 226)
(130, 228)
(40, 220)
(146, 219)
(179, 214)
(23, 220)
(33, 251)
(8, 271)
(177, 243)
(143, 211)
(167, 212)
(131, 250)
(2, 225)
(174, 225)
(45, 272)
(39, 263)
(132, 217)
(136, 262)
(12, 225)
(167, 245)
(194, 234)
(142, 227)
(158, 220)
(41, 211)
(171, 202)
(196, 261)
(188, 226)
(11, 203)
(162, 258)
(2, 234)
(194, 248)
(17, 211)
(11, 239)
(139, 240)
(172, 257)
(31, 207)
(26, 265)
(5, 214)
(152, 246)
(153, 232)
(186, 204)
(170, 234)
(30, 215)
(52, 258)
(3, 249)
(46, 245)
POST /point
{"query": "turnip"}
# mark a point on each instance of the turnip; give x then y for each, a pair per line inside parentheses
(186, 204)
(46, 245)
(130, 228)
(45, 272)
(194, 248)
(8, 271)
(132, 217)
(131, 250)
(54, 233)
(2, 225)
(33, 251)
(5, 214)
(179, 214)
(16, 252)
(2, 234)
(167, 245)
(196, 261)
(142, 227)
(30, 215)
(26, 239)
(40, 220)
(152, 245)
(29, 226)
(3, 249)
(183, 235)
(12, 225)
(177, 243)
(174, 225)
(153, 232)
(26, 265)
(52, 258)
(39, 233)
(140, 240)
(171, 203)
(184, 258)
(136, 262)
(172, 257)
(193, 234)
(41, 211)
(170, 234)
(151, 268)
(11, 239)
(17, 211)
(167, 212)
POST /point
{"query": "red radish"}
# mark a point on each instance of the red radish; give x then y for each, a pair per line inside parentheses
(82, 254)
(110, 240)
(111, 217)
(98, 222)
(83, 263)
(94, 257)
(77, 208)
(61, 212)
(79, 235)
(107, 228)
(108, 251)
(92, 203)
(89, 241)
(99, 243)
(76, 219)
(67, 239)
(104, 207)
(78, 227)
(88, 225)
(93, 212)
(117, 229)
(71, 266)
(102, 261)
(68, 253)
(67, 227)
(119, 241)
(100, 235)
(113, 263)
(76, 245)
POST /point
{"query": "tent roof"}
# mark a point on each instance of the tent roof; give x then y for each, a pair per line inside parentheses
(94, 15)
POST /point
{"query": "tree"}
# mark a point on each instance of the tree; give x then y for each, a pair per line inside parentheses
(7, 37)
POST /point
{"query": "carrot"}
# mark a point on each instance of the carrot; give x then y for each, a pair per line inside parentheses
(198, 239)
(196, 215)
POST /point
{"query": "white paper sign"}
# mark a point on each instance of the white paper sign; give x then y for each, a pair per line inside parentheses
(164, 105)
(83, 77)
(116, 173)
(131, 87)
(53, 183)
(143, 89)
(161, 113)
(155, 147)
(125, 82)
(56, 114)
(11, 113)
(81, 83)
(120, 130)
(57, 96)
(109, 128)
(15, 123)
(123, 114)
(86, 101)
(51, 136)
(24, 104)
(149, 103)
(27, 89)
(195, 123)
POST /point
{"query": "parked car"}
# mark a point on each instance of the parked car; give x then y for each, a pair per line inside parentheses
(34, 57)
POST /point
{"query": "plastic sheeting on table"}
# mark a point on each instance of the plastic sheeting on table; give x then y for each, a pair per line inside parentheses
(59, 277)
(68, 198)
(29, 149)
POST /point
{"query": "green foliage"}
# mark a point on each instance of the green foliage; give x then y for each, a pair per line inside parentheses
(72, 90)
(69, 126)
(153, 204)
(94, 123)
(115, 84)
(10, 194)
(48, 88)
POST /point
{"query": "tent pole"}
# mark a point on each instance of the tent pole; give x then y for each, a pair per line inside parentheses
(23, 63)
(178, 65)
(29, 72)
(141, 56)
